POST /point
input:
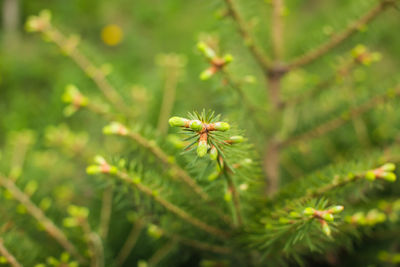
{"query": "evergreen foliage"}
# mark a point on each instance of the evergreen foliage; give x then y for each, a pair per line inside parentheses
(302, 172)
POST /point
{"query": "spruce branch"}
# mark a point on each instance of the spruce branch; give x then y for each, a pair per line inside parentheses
(174, 209)
(106, 210)
(104, 167)
(69, 46)
(236, 199)
(130, 242)
(94, 243)
(38, 214)
(277, 28)
(162, 252)
(339, 38)
(10, 257)
(336, 122)
(176, 170)
(249, 41)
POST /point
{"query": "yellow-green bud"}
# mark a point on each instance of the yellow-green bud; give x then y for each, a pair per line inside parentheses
(206, 74)
(236, 139)
(196, 125)
(115, 128)
(202, 149)
(177, 121)
(213, 153)
(93, 169)
(228, 58)
(389, 176)
(389, 167)
(308, 211)
(206, 50)
(326, 229)
(336, 209)
(222, 126)
(327, 217)
(370, 175)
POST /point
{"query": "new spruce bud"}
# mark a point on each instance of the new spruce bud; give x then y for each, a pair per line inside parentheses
(228, 58)
(388, 167)
(206, 74)
(213, 153)
(389, 176)
(206, 50)
(196, 125)
(236, 139)
(336, 209)
(177, 121)
(115, 128)
(221, 126)
(370, 175)
(309, 211)
(327, 217)
(325, 228)
(202, 148)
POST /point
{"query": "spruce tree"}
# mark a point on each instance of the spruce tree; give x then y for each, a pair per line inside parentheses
(297, 167)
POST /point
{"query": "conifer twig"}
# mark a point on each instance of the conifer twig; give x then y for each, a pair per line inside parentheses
(171, 82)
(10, 258)
(94, 243)
(277, 28)
(174, 209)
(249, 41)
(106, 209)
(176, 169)
(236, 200)
(38, 214)
(336, 122)
(337, 39)
(162, 252)
(88, 67)
(129, 243)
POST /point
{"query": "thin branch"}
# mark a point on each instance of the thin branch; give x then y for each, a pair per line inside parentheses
(236, 198)
(337, 39)
(10, 258)
(174, 209)
(335, 123)
(106, 209)
(88, 67)
(176, 170)
(130, 243)
(171, 82)
(257, 52)
(38, 214)
(162, 253)
(322, 86)
(95, 244)
(277, 28)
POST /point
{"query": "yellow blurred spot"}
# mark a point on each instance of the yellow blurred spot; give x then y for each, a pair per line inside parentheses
(112, 34)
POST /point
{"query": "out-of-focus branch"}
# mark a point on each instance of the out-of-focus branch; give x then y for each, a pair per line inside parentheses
(162, 252)
(335, 123)
(106, 210)
(38, 214)
(337, 39)
(256, 51)
(174, 209)
(10, 258)
(129, 243)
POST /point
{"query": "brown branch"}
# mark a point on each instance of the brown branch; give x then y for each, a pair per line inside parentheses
(95, 244)
(337, 39)
(162, 252)
(277, 28)
(88, 67)
(177, 170)
(106, 209)
(174, 209)
(322, 86)
(38, 214)
(236, 199)
(257, 53)
(335, 123)
(10, 258)
(130, 243)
